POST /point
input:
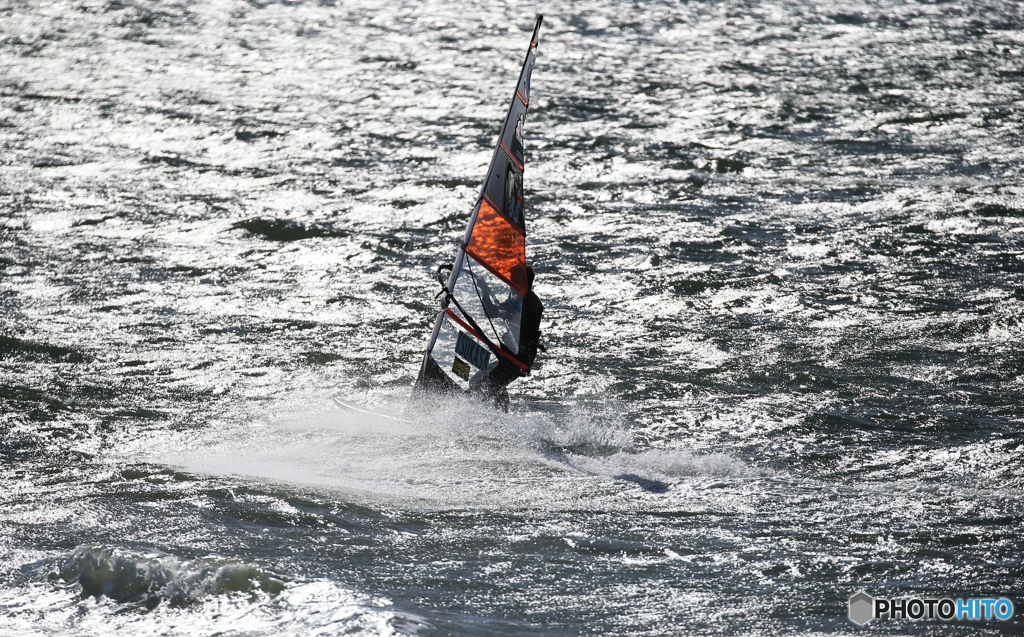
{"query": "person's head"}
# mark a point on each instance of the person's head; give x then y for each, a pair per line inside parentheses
(529, 277)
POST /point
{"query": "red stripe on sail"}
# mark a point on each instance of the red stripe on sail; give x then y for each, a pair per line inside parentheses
(479, 337)
(465, 325)
(511, 156)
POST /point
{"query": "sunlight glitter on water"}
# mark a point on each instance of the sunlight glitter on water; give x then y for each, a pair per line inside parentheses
(779, 247)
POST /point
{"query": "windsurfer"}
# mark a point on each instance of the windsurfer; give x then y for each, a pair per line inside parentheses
(487, 329)
(494, 386)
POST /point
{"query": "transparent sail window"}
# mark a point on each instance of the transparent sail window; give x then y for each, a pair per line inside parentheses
(458, 354)
(495, 306)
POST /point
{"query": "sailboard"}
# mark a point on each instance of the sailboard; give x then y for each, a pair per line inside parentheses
(481, 303)
(355, 408)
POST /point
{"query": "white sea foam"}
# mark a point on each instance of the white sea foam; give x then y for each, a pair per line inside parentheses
(457, 454)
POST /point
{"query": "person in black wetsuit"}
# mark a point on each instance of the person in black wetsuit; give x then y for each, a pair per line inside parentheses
(495, 385)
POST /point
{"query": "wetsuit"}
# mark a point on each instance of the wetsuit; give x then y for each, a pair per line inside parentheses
(529, 329)
(495, 385)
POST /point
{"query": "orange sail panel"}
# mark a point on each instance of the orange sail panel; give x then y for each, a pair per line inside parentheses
(499, 246)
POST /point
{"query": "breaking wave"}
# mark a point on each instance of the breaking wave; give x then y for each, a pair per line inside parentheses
(151, 578)
(105, 590)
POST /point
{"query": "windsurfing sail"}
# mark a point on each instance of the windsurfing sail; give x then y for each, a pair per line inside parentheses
(482, 300)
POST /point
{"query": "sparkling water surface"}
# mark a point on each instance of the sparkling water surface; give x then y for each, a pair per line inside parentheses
(781, 250)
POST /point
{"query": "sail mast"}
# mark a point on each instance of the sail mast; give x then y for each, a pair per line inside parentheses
(494, 157)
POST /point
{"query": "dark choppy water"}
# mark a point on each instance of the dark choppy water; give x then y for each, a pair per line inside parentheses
(781, 247)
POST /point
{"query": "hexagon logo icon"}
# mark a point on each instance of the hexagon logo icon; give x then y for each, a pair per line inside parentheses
(860, 608)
